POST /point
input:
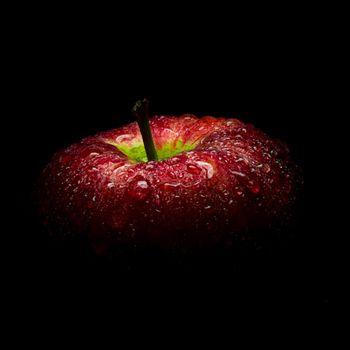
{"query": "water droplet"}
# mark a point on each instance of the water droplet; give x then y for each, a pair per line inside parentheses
(172, 175)
(157, 199)
(168, 185)
(192, 169)
(93, 154)
(142, 184)
(138, 188)
(242, 159)
(207, 207)
(254, 187)
(266, 168)
(207, 167)
(94, 198)
(110, 185)
(170, 133)
(237, 173)
(120, 169)
(149, 166)
(123, 138)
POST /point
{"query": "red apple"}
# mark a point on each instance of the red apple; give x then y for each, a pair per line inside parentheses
(215, 179)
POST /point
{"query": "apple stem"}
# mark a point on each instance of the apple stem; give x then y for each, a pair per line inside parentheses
(141, 113)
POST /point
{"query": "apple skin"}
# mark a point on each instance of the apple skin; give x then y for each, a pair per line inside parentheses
(235, 180)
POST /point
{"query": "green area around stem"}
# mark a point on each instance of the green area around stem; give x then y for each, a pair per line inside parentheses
(137, 152)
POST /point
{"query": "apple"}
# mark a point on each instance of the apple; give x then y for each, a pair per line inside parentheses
(173, 182)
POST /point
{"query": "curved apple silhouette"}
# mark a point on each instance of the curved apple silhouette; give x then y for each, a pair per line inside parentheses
(215, 180)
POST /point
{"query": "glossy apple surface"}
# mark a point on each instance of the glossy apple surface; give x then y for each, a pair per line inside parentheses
(216, 180)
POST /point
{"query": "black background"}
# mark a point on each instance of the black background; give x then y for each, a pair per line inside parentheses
(78, 79)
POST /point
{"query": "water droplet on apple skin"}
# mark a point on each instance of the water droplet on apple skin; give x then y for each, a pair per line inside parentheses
(254, 187)
(192, 169)
(157, 200)
(138, 188)
(168, 186)
(266, 168)
(124, 138)
(172, 175)
(207, 167)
